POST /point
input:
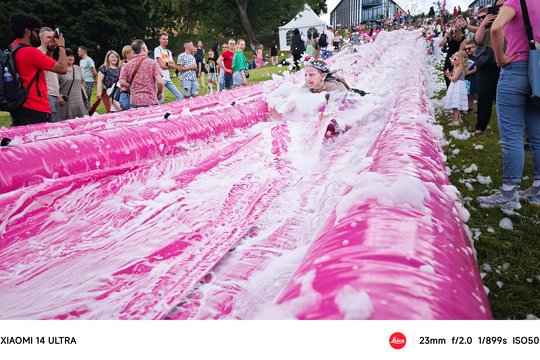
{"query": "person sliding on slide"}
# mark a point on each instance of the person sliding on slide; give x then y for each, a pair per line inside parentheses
(320, 78)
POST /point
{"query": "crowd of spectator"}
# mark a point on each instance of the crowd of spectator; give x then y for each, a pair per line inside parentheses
(61, 89)
(487, 61)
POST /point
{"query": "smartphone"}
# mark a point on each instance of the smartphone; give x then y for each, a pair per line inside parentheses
(493, 10)
(57, 33)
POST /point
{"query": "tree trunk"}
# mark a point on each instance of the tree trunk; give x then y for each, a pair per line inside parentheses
(242, 5)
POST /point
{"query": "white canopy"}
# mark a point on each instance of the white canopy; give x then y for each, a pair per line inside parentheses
(306, 21)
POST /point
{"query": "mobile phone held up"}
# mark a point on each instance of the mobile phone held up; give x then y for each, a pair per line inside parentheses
(493, 10)
(57, 33)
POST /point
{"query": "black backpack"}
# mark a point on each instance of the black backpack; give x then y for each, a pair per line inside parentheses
(12, 93)
(323, 40)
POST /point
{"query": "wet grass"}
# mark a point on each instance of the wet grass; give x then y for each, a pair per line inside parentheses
(509, 260)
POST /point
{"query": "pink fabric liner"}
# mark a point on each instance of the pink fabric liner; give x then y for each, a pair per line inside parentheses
(407, 267)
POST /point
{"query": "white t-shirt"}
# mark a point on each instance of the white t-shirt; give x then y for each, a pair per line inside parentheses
(167, 56)
(330, 40)
(53, 87)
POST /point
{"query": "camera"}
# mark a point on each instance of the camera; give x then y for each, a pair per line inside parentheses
(57, 33)
(65, 97)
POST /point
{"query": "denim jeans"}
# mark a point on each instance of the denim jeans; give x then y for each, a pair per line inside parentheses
(124, 100)
(221, 81)
(190, 87)
(517, 114)
(172, 88)
(325, 54)
(53, 104)
(228, 80)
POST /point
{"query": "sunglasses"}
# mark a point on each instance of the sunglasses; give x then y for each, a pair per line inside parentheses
(481, 17)
(34, 29)
(469, 48)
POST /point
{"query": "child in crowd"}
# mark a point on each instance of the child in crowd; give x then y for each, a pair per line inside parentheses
(456, 95)
(211, 67)
(470, 78)
(260, 56)
(253, 63)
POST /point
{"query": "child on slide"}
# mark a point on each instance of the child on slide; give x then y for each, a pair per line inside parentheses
(320, 78)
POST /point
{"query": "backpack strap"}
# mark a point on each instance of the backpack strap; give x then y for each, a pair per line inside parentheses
(35, 78)
(528, 26)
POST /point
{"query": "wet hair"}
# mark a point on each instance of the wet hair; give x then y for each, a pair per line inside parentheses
(331, 75)
(20, 21)
(137, 45)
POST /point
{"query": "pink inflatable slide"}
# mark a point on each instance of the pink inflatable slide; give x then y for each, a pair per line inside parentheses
(221, 210)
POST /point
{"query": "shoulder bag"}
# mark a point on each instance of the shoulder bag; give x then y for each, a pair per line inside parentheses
(66, 97)
(534, 57)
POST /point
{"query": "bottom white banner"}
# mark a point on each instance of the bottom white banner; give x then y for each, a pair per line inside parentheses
(267, 339)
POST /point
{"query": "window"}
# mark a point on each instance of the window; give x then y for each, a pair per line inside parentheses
(289, 37)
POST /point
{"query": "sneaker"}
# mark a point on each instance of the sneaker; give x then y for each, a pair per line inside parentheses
(532, 195)
(501, 198)
(477, 132)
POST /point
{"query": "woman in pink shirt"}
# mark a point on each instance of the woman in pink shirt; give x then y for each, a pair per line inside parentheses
(517, 114)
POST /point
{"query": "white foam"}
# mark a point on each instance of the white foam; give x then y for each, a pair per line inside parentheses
(506, 224)
(354, 304)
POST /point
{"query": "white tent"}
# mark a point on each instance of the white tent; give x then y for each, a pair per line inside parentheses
(306, 21)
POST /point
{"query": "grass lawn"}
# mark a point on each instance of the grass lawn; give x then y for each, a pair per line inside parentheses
(509, 260)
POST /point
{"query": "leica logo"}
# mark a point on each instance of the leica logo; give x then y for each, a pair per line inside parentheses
(397, 340)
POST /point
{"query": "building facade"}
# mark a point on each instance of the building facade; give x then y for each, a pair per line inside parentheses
(478, 4)
(353, 12)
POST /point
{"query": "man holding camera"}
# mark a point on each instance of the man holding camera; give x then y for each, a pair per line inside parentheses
(48, 45)
(31, 63)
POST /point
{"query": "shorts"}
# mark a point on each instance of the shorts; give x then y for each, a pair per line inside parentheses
(212, 77)
(190, 87)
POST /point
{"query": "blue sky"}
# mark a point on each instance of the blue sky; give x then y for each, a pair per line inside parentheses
(420, 5)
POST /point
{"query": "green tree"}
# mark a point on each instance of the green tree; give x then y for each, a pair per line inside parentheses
(235, 17)
(99, 25)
